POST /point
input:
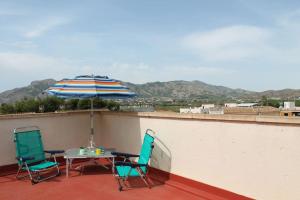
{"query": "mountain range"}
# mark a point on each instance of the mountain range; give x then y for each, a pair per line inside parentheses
(180, 90)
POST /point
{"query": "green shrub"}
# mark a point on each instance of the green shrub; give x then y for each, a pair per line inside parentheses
(7, 108)
(113, 106)
(71, 104)
(27, 105)
(51, 104)
(84, 104)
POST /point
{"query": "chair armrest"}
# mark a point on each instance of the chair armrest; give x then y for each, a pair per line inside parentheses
(133, 165)
(126, 155)
(25, 158)
(52, 152)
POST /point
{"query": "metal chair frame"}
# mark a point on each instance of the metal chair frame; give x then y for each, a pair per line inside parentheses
(35, 175)
(127, 162)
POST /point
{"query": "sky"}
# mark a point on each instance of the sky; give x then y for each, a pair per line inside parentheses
(254, 45)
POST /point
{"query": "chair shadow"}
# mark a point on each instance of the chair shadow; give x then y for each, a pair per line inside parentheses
(161, 162)
(11, 177)
(8, 177)
(137, 182)
(90, 170)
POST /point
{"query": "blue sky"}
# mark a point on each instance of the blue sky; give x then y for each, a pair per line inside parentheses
(253, 45)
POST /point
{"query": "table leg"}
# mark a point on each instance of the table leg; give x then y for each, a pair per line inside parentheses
(113, 165)
(67, 168)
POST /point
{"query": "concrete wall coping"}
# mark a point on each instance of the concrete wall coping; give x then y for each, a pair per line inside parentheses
(35, 115)
(259, 119)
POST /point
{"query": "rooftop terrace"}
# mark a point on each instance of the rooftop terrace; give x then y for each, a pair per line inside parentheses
(195, 156)
(97, 182)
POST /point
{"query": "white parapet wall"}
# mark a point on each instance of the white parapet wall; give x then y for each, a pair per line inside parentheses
(59, 131)
(255, 156)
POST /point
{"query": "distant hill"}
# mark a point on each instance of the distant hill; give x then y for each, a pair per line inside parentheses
(34, 90)
(186, 90)
(162, 90)
(284, 94)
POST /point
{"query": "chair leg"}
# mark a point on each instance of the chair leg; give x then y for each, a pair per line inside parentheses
(19, 170)
(143, 177)
(18, 176)
(37, 178)
(29, 173)
(149, 180)
(58, 171)
(128, 174)
(120, 184)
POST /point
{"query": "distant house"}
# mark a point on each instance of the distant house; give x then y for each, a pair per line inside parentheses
(241, 105)
(194, 110)
(290, 113)
(201, 110)
(185, 110)
(216, 111)
(246, 105)
(230, 105)
(288, 105)
(207, 106)
(290, 109)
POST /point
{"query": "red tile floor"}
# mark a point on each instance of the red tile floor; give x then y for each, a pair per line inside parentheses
(96, 183)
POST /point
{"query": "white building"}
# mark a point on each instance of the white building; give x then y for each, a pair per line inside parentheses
(216, 111)
(289, 105)
(196, 110)
(185, 110)
(231, 105)
(246, 104)
(201, 110)
(207, 106)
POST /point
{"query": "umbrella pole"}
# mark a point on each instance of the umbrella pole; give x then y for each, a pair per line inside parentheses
(92, 144)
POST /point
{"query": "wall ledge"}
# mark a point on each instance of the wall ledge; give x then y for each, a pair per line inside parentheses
(256, 119)
(48, 114)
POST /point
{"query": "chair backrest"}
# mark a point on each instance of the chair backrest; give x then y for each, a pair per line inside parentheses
(146, 149)
(29, 143)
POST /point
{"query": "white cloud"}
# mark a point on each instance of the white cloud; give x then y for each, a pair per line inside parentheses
(32, 66)
(29, 66)
(10, 12)
(18, 45)
(142, 73)
(290, 19)
(46, 25)
(19, 69)
(275, 46)
(228, 43)
(24, 61)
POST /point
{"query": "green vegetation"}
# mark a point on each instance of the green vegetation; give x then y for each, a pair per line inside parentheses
(52, 104)
(270, 102)
(297, 103)
(177, 104)
(7, 108)
(174, 108)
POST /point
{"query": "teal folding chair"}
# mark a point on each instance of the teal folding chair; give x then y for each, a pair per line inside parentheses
(31, 157)
(127, 168)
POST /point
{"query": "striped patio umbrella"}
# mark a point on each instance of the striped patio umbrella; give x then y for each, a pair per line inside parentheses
(90, 86)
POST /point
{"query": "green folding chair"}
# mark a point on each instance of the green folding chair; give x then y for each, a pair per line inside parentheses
(124, 169)
(31, 157)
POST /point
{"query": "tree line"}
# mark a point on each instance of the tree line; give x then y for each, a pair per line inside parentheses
(52, 104)
(265, 101)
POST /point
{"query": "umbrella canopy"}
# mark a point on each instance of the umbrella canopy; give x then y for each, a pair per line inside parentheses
(90, 87)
